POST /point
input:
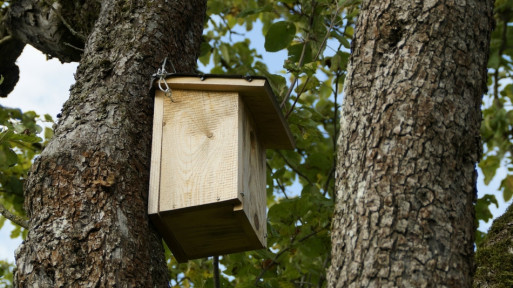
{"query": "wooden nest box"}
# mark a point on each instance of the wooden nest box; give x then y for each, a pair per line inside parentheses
(207, 185)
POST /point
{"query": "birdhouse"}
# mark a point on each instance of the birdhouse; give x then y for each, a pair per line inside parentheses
(207, 184)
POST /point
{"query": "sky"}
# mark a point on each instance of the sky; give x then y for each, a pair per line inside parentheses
(44, 87)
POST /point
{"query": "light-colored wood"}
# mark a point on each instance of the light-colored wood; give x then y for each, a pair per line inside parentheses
(253, 170)
(257, 95)
(214, 84)
(207, 183)
(199, 149)
(156, 144)
(212, 230)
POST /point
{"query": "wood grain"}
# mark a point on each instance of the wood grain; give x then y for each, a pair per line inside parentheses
(156, 152)
(257, 95)
(208, 186)
(199, 149)
(252, 167)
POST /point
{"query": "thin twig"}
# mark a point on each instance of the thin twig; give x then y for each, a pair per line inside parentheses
(73, 32)
(324, 41)
(275, 259)
(18, 220)
(73, 46)
(230, 29)
(496, 73)
(328, 181)
(297, 98)
(301, 60)
(335, 135)
(216, 272)
(282, 187)
(324, 266)
(294, 168)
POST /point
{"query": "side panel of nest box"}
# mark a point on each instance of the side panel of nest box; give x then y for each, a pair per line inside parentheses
(207, 182)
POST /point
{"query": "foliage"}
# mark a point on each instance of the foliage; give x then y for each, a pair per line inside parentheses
(497, 125)
(315, 37)
(6, 275)
(19, 144)
(308, 89)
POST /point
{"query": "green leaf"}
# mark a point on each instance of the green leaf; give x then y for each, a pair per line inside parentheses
(48, 134)
(341, 38)
(16, 232)
(483, 207)
(296, 50)
(507, 185)
(279, 36)
(489, 166)
(252, 11)
(225, 53)
(11, 157)
(48, 118)
(5, 136)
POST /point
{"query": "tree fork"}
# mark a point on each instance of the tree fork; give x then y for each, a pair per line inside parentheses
(86, 195)
(409, 143)
(56, 28)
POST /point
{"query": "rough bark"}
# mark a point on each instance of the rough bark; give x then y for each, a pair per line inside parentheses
(10, 49)
(409, 144)
(56, 28)
(86, 195)
(494, 257)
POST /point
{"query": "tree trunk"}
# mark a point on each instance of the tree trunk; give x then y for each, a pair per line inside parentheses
(86, 195)
(409, 144)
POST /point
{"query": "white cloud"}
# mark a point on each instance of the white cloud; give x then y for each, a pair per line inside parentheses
(44, 84)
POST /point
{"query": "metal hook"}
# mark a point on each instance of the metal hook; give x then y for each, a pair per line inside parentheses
(161, 73)
(172, 66)
(164, 65)
(166, 91)
(168, 94)
(165, 83)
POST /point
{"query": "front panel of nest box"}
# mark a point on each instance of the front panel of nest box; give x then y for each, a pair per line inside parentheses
(199, 162)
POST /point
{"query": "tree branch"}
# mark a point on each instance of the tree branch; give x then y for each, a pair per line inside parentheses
(73, 32)
(280, 185)
(323, 276)
(18, 220)
(301, 60)
(294, 168)
(297, 98)
(275, 259)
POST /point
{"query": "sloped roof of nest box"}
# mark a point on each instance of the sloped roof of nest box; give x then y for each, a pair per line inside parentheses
(258, 96)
